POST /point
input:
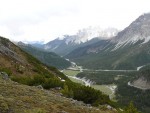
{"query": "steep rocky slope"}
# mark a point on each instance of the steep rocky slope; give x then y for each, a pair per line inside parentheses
(142, 81)
(19, 63)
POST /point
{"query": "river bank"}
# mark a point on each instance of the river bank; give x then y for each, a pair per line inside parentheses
(107, 89)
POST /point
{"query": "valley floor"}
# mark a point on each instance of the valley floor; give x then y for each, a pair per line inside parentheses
(107, 89)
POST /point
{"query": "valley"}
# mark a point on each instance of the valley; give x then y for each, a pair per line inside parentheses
(73, 71)
(107, 89)
(110, 82)
(77, 56)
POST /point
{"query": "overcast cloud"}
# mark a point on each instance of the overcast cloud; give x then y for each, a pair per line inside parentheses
(45, 20)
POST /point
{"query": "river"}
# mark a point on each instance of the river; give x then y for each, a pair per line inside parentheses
(88, 82)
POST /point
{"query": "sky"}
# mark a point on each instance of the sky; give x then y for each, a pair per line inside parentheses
(45, 20)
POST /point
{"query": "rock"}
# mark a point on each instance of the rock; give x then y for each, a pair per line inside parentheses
(109, 107)
(40, 87)
(62, 112)
(59, 95)
(58, 88)
(73, 101)
(4, 75)
(80, 103)
(88, 105)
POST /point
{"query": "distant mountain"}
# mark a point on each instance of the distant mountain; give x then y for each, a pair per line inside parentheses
(48, 58)
(37, 44)
(128, 50)
(68, 43)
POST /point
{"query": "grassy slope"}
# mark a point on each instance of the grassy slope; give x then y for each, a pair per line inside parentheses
(17, 98)
(71, 72)
(20, 63)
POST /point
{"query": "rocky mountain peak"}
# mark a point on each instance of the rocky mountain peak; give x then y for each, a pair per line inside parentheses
(89, 33)
(138, 30)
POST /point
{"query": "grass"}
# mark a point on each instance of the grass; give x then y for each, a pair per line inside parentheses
(76, 81)
(17, 98)
(71, 72)
(104, 88)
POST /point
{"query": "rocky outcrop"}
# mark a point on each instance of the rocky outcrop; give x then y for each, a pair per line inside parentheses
(4, 75)
(141, 83)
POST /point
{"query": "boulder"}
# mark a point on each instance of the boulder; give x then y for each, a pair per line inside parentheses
(40, 87)
(4, 75)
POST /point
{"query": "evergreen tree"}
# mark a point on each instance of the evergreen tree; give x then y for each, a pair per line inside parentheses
(130, 109)
(66, 92)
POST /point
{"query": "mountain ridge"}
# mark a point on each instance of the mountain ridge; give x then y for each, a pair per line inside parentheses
(120, 52)
(68, 43)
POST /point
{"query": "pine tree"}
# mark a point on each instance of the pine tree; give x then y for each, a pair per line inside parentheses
(130, 109)
(66, 92)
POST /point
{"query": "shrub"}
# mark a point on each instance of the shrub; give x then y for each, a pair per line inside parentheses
(66, 92)
(130, 109)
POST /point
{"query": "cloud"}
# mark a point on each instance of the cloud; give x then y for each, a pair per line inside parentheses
(35, 20)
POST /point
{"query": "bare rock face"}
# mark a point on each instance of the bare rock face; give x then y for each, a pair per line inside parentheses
(7, 48)
(141, 83)
(137, 30)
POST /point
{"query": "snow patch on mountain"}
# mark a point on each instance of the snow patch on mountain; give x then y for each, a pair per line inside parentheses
(146, 40)
(89, 33)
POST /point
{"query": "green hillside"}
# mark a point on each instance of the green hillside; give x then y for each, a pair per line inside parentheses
(102, 56)
(48, 58)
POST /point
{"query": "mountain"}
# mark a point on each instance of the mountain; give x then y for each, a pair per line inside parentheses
(68, 43)
(37, 44)
(128, 50)
(48, 58)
